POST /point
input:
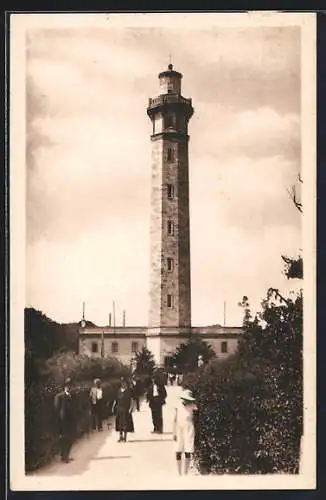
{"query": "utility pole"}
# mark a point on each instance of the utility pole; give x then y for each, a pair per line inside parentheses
(102, 345)
(224, 322)
(113, 317)
(124, 318)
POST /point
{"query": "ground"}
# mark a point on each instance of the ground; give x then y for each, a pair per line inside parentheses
(100, 461)
(145, 462)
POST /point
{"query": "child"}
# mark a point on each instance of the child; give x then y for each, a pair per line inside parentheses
(184, 429)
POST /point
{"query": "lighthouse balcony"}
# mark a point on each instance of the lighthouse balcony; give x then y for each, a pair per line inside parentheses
(157, 104)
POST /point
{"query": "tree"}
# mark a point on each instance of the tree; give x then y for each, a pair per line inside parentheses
(294, 266)
(185, 358)
(271, 347)
(41, 334)
(145, 362)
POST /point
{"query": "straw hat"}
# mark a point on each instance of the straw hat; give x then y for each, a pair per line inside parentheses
(186, 395)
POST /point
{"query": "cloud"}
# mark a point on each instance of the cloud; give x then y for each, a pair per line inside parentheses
(263, 132)
(255, 133)
(89, 164)
(245, 193)
(107, 263)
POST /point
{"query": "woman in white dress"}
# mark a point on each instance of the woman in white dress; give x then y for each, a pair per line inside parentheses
(184, 429)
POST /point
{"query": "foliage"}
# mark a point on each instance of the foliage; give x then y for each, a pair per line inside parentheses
(41, 430)
(293, 267)
(44, 337)
(250, 405)
(80, 367)
(43, 379)
(185, 358)
(145, 362)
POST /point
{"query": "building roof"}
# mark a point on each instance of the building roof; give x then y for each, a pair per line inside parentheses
(213, 331)
(170, 72)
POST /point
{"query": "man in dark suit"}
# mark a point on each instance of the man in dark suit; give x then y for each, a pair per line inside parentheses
(136, 390)
(65, 409)
(156, 396)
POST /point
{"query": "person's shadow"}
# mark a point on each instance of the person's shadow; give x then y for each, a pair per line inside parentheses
(83, 452)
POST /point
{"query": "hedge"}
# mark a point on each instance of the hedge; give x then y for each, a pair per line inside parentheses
(246, 422)
(41, 427)
(45, 381)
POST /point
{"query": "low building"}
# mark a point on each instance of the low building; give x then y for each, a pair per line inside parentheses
(124, 342)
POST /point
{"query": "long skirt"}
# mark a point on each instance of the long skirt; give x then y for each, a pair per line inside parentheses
(123, 420)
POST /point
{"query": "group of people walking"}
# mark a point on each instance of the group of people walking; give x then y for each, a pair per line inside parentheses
(127, 400)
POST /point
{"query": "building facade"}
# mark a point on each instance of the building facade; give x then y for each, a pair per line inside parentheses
(170, 288)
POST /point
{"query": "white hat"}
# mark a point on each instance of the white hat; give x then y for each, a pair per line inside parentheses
(186, 394)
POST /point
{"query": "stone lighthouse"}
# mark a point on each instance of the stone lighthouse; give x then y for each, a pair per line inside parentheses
(170, 287)
(170, 298)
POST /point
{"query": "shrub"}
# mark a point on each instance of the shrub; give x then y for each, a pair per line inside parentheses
(243, 426)
(41, 430)
(81, 367)
(250, 405)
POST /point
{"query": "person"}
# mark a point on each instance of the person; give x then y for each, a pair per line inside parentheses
(123, 406)
(65, 408)
(96, 399)
(136, 391)
(184, 429)
(156, 396)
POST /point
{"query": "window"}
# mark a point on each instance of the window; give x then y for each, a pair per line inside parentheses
(170, 191)
(168, 121)
(170, 301)
(115, 347)
(170, 227)
(224, 346)
(170, 155)
(134, 347)
(94, 347)
(170, 264)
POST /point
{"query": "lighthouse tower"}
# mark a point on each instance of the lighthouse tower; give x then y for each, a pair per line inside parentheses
(170, 294)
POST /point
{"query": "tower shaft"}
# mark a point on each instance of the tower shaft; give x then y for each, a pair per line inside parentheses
(170, 286)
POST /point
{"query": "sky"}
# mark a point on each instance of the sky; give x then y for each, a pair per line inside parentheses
(88, 164)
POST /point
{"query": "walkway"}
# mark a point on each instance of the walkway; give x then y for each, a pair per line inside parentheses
(146, 461)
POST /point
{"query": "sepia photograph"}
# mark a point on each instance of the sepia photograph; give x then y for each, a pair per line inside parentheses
(162, 237)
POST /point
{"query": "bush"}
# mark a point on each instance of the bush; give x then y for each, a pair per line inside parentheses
(250, 414)
(81, 367)
(41, 430)
(243, 425)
